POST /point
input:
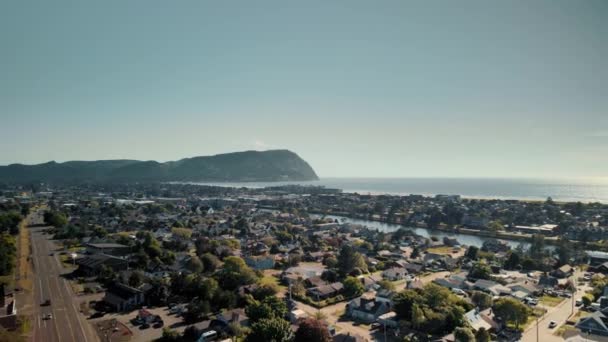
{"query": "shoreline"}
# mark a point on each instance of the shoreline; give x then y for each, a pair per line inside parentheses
(360, 189)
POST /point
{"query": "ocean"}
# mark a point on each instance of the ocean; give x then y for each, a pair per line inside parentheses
(567, 190)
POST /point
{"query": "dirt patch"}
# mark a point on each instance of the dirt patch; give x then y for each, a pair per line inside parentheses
(112, 330)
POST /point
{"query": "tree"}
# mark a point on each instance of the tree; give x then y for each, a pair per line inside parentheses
(265, 290)
(210, 262)
(169, 335)
(480, 270)
(386, 284)
(481, 300)
(511, 310)
(482, 335)
(195, 264)
(495, 226)
(270, 307)
(8, 252)
(587, 300)
(273, 329)
(417, 316)
(55, 218)
(462, 334)
(136, 278)
(513, 261)
(472, 253)
(349, 260)
(312, 330)
(352, 287)
(181, 233)
(236, 273)
(564, 251)
(404, 303)
(9, 222)
(196, 310)
(415, 253)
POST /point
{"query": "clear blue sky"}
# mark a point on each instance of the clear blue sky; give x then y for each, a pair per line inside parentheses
(357, 88)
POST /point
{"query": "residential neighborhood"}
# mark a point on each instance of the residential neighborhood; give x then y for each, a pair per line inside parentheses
(180, 262)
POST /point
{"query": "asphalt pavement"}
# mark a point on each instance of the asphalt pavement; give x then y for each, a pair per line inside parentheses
(67, 323)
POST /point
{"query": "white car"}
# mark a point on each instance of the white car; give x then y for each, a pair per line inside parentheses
(552, 324)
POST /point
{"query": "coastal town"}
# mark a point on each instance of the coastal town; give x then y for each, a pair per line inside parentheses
(187, 262)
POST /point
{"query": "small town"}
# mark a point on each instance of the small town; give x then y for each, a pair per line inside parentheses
(187, 262)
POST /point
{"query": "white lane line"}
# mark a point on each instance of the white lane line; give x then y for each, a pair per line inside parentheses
(79, 322)
(76, 312)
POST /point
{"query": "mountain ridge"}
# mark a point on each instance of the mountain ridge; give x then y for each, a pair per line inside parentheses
(243, 166)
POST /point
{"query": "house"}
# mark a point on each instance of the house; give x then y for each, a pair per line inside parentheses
(412, 268)
(480, 319)
(107, 248)
(315, 281)
(595, 258)
(260, 262)
(325, 291)
(394, 273)
(122, 297)
(525, 286)
(563, 272)
(296, 315)
(547, 281)
(8, 310)
(93, 264)
(366, 308)
(596, 324)
(491, 287)
(389, 319)
(234, 316)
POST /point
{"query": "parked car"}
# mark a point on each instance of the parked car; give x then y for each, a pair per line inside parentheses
(552, 324)
(375, 326)
(579, 302)
(46, 303)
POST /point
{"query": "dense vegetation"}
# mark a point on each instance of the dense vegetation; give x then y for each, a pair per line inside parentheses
(10, 217)
(239, 166)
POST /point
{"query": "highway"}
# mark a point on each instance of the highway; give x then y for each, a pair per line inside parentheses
(67, 323)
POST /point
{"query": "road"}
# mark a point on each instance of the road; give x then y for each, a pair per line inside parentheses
(559, 314)
(67, 324)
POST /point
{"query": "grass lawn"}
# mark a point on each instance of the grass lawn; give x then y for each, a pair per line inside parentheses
(440, 250)
(551, 301)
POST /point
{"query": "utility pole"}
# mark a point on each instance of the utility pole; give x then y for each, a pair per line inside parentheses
(536, 328)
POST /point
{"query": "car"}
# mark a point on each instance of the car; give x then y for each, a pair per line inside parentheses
(47, 316)
(375, 326)
(552, 324)
(46, 303)
(579, 302)
(158, 324)
(144, 326)
(51, 254)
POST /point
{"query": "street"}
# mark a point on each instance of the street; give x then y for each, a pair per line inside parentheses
(559, 314)
(67, 323)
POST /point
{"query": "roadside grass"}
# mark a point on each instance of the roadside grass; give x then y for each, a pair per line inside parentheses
(561, 331)
(536, 312)
(67, 261)
(24, 267)
(551, 301)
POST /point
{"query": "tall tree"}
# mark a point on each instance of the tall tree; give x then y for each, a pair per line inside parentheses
(312, 330)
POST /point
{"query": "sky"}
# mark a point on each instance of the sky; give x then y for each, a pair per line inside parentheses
(356, 88)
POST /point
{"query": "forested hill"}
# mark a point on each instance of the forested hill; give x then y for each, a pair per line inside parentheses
(248, 166)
